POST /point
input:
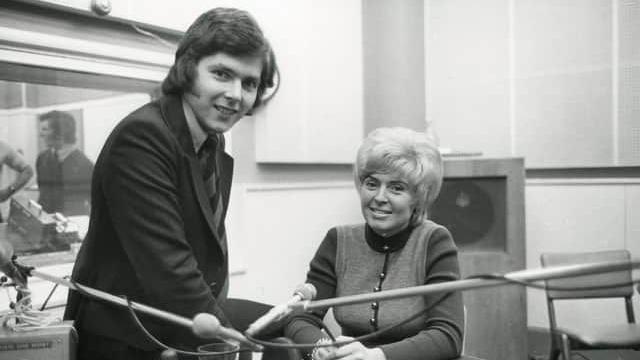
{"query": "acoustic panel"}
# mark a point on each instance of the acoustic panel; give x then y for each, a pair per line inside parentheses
(628, 83)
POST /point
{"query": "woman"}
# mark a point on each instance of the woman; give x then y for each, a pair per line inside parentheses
(398, 174)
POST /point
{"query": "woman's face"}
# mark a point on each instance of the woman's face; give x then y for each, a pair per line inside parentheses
(387, 203)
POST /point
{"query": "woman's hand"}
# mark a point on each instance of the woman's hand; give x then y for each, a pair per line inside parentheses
(356, 351)
(323, 352)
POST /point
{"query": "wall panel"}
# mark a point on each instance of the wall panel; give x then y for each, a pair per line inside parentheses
(573, 216)
(467, 74)
(279, 228)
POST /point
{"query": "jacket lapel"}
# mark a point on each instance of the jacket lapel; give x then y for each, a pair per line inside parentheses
(173, 115)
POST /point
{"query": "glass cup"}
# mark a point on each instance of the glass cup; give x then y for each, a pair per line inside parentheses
(216, 349)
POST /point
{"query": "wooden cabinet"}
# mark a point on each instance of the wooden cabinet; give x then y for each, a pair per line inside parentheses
(482, 204)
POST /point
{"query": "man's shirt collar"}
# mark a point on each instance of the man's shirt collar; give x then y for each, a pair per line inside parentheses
(197, 133)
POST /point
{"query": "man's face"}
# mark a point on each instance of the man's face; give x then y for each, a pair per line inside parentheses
(224, 90)
(46, 133)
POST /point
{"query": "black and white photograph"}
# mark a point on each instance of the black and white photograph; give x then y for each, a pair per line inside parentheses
(320, 180)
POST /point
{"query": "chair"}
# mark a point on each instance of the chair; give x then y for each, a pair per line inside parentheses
(619, 336)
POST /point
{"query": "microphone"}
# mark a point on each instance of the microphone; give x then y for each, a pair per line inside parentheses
(207, 326)
(304, 292)
(8, 267)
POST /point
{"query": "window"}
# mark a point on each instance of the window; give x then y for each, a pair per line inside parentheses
(66, 79)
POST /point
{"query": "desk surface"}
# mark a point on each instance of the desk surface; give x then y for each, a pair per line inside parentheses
(37, 260)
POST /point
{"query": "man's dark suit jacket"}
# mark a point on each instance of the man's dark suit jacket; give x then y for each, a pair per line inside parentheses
(64, 186)
(151, 235)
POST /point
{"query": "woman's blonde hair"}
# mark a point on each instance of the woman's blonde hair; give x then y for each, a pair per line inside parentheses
(412, 155)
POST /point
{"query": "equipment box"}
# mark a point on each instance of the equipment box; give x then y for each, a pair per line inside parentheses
(56, 342)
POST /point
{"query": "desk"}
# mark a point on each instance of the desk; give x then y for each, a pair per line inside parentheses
(50, 343)
(37, 260)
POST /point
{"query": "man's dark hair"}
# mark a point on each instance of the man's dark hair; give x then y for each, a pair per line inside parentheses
(62, 125)
(220, 30)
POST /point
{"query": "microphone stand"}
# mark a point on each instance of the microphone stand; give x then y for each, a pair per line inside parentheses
(469, 284)
(204, 329)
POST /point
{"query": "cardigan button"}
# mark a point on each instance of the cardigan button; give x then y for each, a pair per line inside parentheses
(372, 321)
(385, 248)
(374, 306)
(382, 275)
(376, 289)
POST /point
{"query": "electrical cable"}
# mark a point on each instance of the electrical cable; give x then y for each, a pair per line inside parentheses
(372, 334)
(167, 347)
(356, 339)
(153, 36)
(418, 314)
(147, 333)
(277, 78)
(581, 355)
(46, 301)
(22, 317)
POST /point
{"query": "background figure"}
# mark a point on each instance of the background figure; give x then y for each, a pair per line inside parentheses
(161, 192)
(398, 175)
(63, 172)
(15, 161)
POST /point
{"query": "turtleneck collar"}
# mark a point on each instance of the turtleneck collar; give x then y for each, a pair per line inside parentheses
(387, 244)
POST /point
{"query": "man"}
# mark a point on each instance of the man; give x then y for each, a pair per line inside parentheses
(160, 193)
(63, 171)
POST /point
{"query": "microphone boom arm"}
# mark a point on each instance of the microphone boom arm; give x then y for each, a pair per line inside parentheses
(145, 309)
(203, 326)
(469, 284)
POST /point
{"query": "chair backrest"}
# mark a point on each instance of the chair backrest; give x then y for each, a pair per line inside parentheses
(604, 280)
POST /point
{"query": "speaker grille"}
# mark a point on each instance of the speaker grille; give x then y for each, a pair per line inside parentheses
(474, 210)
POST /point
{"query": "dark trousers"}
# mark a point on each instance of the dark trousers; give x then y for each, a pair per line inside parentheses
(241, 313)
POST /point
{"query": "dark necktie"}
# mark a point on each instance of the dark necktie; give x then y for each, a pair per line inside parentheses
(207, 157)
(211, 176)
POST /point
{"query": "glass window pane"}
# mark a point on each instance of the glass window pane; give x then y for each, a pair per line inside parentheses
(56, 122)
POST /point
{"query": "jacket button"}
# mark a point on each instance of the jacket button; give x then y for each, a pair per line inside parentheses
(374, 305)
(372, 321)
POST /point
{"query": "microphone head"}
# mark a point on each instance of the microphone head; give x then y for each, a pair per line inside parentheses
(306, 291)
(206, 326)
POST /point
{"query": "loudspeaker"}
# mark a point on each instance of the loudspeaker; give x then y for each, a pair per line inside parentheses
(474, 210)
(482, 204)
